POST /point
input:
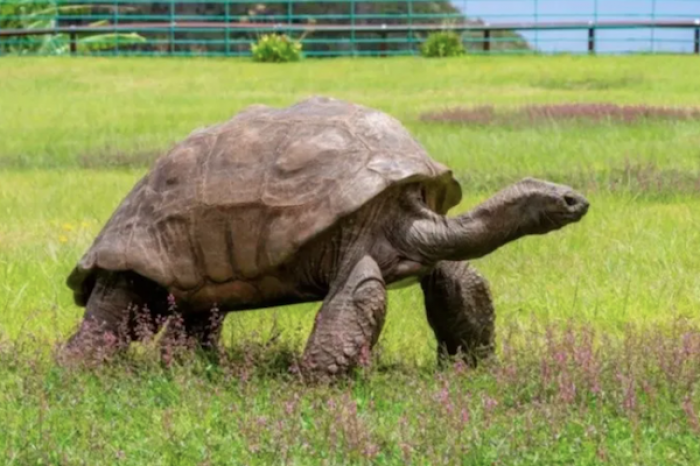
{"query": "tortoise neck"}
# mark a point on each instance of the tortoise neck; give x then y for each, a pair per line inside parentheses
(479, 232)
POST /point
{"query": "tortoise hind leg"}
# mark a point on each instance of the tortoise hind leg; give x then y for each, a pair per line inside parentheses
(113, 313)
(460, 311)
(199, 328)
(349, 322)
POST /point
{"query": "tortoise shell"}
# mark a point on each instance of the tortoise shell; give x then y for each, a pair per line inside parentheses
(235, 200)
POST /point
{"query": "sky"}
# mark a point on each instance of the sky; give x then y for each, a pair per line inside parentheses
(610, 41)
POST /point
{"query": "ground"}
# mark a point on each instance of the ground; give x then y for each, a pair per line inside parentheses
(75, 134)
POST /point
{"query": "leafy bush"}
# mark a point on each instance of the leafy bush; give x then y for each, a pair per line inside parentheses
(276, 48)
(442, 44)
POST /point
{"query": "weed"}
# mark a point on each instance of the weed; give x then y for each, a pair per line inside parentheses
(532, 114)
(553, 386)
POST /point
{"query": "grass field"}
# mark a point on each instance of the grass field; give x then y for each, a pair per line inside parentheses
(614, 381)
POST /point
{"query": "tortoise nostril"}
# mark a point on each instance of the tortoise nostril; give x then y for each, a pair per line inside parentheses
(570, 200)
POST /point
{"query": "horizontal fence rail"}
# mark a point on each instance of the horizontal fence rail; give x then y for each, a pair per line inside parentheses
(221, 27)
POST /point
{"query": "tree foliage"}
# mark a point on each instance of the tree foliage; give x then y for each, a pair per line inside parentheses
(32, 14)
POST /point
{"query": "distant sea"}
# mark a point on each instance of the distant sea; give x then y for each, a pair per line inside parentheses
(609, 41)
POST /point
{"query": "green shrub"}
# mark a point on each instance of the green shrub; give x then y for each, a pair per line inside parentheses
(276, 48)
(442, 44)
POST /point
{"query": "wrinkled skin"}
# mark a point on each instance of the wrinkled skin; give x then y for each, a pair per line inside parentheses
(392, 241)
(460, 311)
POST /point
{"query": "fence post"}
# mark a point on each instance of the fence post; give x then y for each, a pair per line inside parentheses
(537, 20)
(487, 40)
(383, 45)
(172, 27)
(115, 22)
(591, 38)
(410, 26)
(227, 32)
(697, 36)
(653, 29)
(353, 43)
(73, 41)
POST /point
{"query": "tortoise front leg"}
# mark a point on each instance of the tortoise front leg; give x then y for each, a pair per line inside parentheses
(460, 311)
(349, 323)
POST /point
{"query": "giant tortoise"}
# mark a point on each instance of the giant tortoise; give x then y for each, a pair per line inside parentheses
(324, 200)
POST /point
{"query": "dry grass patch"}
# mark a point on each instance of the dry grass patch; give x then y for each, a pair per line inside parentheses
(537, 113)
(118, 159)
(632, 177)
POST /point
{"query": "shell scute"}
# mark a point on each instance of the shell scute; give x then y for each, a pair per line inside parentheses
(311, 163)
(233, 170)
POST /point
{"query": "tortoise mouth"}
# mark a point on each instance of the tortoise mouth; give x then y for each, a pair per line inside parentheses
(576, 205)
(560, 218)
(573, 215)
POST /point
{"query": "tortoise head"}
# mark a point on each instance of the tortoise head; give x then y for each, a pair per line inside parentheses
(544, 206)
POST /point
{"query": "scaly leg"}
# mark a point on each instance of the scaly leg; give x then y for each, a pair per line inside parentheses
(349, 323)
(460, 311)
(200, 328)
(111, 315)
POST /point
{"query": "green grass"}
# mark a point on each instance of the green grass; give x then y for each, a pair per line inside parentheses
(631, 262)
(57, 113)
